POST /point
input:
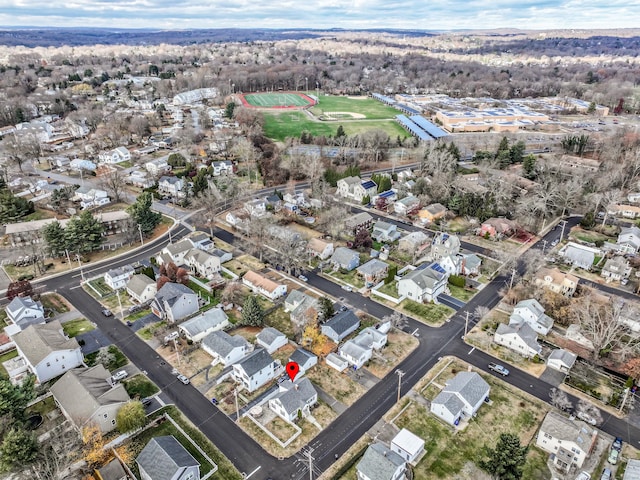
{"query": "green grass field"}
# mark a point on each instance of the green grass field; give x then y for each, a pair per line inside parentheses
(370, 108)
(275, 100)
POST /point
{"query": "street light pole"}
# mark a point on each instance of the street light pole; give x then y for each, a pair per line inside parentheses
(306, 84)
(141, 238)
(80, 264)
(400, 374)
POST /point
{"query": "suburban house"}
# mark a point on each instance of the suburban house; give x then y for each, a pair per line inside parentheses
(320, 248)
(385, 232)
(557, 281)
(157, 167)
(471, 264)
(532, 313)
(117, 155)
(141, 288)
(497, 228)
(632, 470)
(356, 189)
(174, 302)
(461, 397)
(629, 240)
(380, 463)
(294, 399)
(263, 285)
(47, 351)
(164, 458)
(224, 348)
(172, 186)
(345, 258)
(413, 241)
(359, 221)
(87, 396)
(91, 197)
(24, 311)
(452, 264)
(302, 308)
(569, 442)
(256, 207)
(198, 327)
(222, 255)
(175, 252)
(256, 369)
(579, 256)
(336, 362)
(562, 360)
(202, 263)
(139, 179)
(431, 213)
(201, 241)
(118, 278)
(406, 204)
(304, 359)
(444, 245)
(616, 269)
(271, 339)
(373, 272)
(359, 350)
(340, 325)
(273, 202)
(423, 284)
(222, 167)
(626, 211)
(407, 445)
(519, 338)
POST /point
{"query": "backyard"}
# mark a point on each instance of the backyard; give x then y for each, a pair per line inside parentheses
(399, 346)
(336, 384)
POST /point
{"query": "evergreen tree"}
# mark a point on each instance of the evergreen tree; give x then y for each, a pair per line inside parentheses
(340, 133)
(516, 152)
(326, 308)
(13, 208)
(529, 167)
(83, 233)
(53, 234)
(14, 398)
(507, 459)
(200, 182)
(18, 449)
(252, 313)
(142, 215)
(229, 110)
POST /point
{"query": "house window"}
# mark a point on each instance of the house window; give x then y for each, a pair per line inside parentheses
(48, 364)
(113, 422)
(106, 415)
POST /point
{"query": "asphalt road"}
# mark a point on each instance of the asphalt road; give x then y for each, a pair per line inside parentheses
(240, 448)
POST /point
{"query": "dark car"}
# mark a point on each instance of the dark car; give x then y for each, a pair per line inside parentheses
(146, 401)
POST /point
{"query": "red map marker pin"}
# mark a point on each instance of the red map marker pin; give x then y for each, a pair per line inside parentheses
(292, 370)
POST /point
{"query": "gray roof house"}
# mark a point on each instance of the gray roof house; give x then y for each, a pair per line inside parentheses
(616, 269)
(373, 271)
(164, 458)
(380, 463)
(341, 325)
(561, 359)
(579, 255)
(224, 348)
(462, 396)
(345, 258)
(175, 252)
(358, 221)
(629, 240)
(471, 264)
(294, 399)
(24, 311)
(87, 396)
(174, 302)
(271, 339)
(632, 472)
(142, 288)
(424, 283)
(520, 338)
(531, 312)
(385, 232)
(302, 308)
(256, 369)
(304, 359)
(413, 241)
(196, 328)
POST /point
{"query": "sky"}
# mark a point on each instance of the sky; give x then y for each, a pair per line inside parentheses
(347, 14)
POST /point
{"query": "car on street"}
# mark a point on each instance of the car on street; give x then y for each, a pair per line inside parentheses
(606, 474)
(613, 456)
(183, 379)
(347, 288)
(496, 367)
(555, 242)
(303, 278)
(121, 375)
(107, 313)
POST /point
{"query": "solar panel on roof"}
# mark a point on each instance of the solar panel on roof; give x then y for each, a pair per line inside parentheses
(428, 127)
(368, 184)
(437, 268)
(413, 128)
(407, 108)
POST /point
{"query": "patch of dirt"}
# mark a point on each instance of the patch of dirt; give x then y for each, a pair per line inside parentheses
(398, 347)
(336, 384)
(345, 114)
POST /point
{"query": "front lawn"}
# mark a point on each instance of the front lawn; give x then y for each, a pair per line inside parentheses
(140, 386)
(430, 313)
(99, 286)
(54, 302)
(147, 332)
(390, 289)
(74, 328)
(462, 293)
(352, 277)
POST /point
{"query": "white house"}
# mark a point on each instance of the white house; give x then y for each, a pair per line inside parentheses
(519, 338)
(175, 252)
(47, 351)
(380, 463)
(256, 207)
(224, 348)
(320, 248)
(569, 442)
(336, 362)
(141, 288)
(271, 339)
(263, 285)
(24, 311)
(532, 313)
(444, 245)
(256, 369)
(406, 204)
(355, 354)
(629, 240)
(462, 396)
(202, 241)
(304, 359)
(579, 256)
(294, 399)
(91, 197)
(616, 269)
(222, 167)
(203, 263)
(452, 264)
(174, 302)
(561, 360)
(173, 186)
(557, 281)
(423, 284)
(157, 167)
(198, 327)
(356, 189)
(407, 445)
(117, 155)
(385, 232)
(117, 278)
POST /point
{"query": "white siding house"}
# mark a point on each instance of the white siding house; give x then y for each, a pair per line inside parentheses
(256, 369)
(462, 396)
(117, 278)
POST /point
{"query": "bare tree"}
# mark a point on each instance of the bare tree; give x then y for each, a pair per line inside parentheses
(480, 312)
(23, 148)
(397, 319)
(588, 412)
(560, 399)
(113, 183)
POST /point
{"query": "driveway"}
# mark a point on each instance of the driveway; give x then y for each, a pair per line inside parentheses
(93, 341)
(552, 376)
(144, 321)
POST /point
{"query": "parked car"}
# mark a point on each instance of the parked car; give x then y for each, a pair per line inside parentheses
(585, 417)
(146, 401)
(343, 308)
(617, 444)
(303, 278)
(107, 313)
(613, 456)
(121, 375)
(183, 379)
(606, 474)
(583, 476)
(498, 369)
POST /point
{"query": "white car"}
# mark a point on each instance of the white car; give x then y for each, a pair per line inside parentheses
(347, 288)
(183, 379)
(303, 278)
(121, 375)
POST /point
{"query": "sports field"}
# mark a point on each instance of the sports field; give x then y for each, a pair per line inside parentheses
(370, 108)
(277, 100)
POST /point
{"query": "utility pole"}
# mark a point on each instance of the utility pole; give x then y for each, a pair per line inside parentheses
(564, 224)
(624, 399)
(235, 392)
(466, 326)
(544, 245)
(175, 345)
(141, 238)
(400, 374)
(513, 274)
(68, 259)
(120, 305)
(80, 264)
(310, 459)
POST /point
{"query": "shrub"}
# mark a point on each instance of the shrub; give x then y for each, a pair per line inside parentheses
(457, 281)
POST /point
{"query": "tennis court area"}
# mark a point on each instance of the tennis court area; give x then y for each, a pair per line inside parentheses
(277, 100)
